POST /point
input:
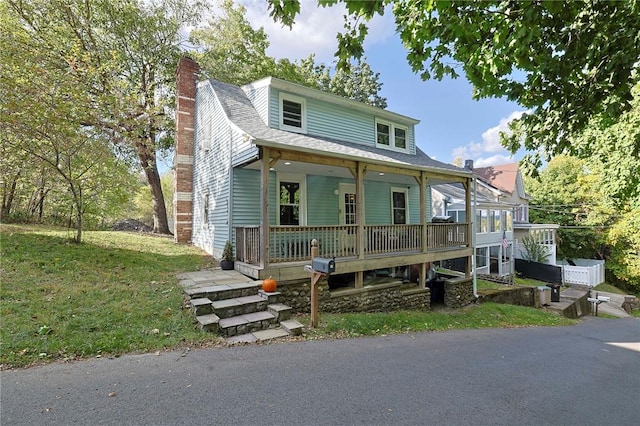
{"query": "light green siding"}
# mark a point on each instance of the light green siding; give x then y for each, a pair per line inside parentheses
(335, 121)
(246, 199)
(322, 203)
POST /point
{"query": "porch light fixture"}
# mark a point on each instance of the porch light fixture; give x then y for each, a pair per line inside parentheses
(287, 163)
(381, 174)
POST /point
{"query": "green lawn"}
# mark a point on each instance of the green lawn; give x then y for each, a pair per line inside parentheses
(113, 294)
(117, 293)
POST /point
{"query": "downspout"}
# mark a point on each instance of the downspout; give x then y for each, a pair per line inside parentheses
(473, 237)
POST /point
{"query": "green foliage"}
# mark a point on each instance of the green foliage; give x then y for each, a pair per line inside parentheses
(141, 207)
(234, 52)
(106, 67)
(227, 252)
(569, 192)
(534, 252)
(113, 294)
(567, 63)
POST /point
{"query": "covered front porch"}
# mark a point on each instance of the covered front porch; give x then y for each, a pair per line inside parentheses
(365, 214)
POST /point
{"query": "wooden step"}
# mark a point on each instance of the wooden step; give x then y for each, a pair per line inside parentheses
(247, 323)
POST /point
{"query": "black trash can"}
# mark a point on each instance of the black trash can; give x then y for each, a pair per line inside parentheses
(555, 292)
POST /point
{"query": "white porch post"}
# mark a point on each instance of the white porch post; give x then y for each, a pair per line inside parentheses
(360, 218)
(264, 215)
(422, 181)
(468, 212)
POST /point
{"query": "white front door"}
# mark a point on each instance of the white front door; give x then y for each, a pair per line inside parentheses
(348, 216)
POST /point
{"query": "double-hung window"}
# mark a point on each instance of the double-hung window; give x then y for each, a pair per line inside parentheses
(391, 136)
(291, 199)
(293, 113)
(399, 207)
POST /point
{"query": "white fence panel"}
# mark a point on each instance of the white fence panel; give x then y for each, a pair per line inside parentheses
(586, 272)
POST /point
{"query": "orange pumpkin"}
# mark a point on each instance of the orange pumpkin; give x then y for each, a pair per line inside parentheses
(269, 285)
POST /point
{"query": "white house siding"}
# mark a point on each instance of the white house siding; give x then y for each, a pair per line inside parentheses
(211, 174)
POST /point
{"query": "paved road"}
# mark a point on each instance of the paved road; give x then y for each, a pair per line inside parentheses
(537, 376)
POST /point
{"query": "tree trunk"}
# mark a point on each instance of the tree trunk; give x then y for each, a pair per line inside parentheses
(148, 162)
(8, 194)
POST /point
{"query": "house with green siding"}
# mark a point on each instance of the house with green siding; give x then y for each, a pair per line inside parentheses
(274, 166)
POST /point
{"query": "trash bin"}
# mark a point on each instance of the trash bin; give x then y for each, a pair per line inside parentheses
(545, 295)
(555, 292)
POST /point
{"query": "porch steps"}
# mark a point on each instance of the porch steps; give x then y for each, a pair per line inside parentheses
(573, 303)
(241, 312)
(222, 291)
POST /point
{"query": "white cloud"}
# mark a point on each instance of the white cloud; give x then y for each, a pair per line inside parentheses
(314, 30)
(489, 152)
(491, 137)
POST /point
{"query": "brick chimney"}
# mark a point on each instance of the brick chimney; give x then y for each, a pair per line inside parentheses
(186, 78)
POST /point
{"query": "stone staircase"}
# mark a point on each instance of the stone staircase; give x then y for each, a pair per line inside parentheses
(232, 305)
(573, 303)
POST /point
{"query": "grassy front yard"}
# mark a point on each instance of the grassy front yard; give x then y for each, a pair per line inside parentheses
(117, 293)
(113, 294)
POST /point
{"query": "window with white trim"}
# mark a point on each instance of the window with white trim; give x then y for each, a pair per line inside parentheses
(399, 206)
(291, 199)
(391, 136)
(293, 113)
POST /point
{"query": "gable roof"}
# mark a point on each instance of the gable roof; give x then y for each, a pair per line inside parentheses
(242, 114)
(503, 177)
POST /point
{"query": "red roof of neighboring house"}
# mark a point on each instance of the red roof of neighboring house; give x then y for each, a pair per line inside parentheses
(503, 177)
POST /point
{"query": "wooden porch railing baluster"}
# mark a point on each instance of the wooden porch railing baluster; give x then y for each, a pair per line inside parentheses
(292, 243)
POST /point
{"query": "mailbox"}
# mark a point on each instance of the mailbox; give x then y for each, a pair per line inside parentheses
(326, 266)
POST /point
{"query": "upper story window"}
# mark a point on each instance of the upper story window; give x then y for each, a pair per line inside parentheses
(389, 135)
(293, 113)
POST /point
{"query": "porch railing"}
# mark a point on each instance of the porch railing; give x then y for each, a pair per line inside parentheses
(248, 244)
(382, 239)
(293, 243)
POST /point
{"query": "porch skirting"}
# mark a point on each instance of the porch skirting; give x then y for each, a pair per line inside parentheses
(376, 298)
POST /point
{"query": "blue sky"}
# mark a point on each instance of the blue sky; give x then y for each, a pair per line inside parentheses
(451, 125)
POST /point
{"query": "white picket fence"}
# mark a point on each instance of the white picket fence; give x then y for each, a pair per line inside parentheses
(585, 272)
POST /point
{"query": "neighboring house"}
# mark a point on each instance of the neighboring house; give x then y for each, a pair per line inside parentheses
(272, 165)
(493, 225)
(507, 179)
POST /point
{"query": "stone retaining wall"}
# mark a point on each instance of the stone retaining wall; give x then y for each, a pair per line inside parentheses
(458, 292)
(378, 298)
(523, 296)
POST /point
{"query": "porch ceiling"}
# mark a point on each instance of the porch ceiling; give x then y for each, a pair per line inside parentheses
(286, 166)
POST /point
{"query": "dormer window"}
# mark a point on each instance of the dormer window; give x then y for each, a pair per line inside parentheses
(391, 136)
(293, 113)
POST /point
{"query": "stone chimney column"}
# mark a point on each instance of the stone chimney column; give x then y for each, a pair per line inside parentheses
(186, 79)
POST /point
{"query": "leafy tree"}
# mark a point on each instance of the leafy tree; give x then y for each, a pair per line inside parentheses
(566, 62)
(624, 257)
(45, 116)
(533, 251)
(124, 54)
(592, 225)
(234, 52)
(567, 193)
